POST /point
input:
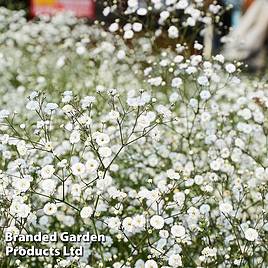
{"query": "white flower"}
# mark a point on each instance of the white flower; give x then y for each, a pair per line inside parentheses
(32, 105)
(150, 264)
(142, 11)
(205, 94)
(137, 27)
(128, 224)
(113, 27)
(92, 165)
(87, 101)
(226, 208)
(47, 171)
(230, 68)
(176, 82)
(105, 151)
(78, 169)
(173, 175)
(86, 212)
(133, 3)
(114, 223)
(50, 107)
(102, 139)
(24, 211)
(48, 185)
(139, 221)
(198, 46)
(128, 34)
(251, 234)
(80, 50)
(209, 252)
(163, 16)
(178, 230)
(157, 222)
(4, 114)
(182, 4)
(155, 81)
(175, 260)
(50, 209)
(198, 179)
(178, 59)
(216, 164)
(179, 198)
(203, 80)
(21, 147)
(219, 58)
(75, 137)
(173, 32)
(113, 115)
(21, 185)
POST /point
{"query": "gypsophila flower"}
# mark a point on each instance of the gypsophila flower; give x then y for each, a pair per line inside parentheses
(175, 260)
(105, 151)
(176, 82)
(86, 212)
(203, 81)
(150, 264)
(157, 222)
(47, 171)
(50, 209)
(230, 68)
(78, 169)
(251, 234)
(178, 231)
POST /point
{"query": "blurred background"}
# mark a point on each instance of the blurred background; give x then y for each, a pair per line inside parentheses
(247, 20)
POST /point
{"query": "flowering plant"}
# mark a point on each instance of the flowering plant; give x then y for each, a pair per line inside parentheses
(167, 158)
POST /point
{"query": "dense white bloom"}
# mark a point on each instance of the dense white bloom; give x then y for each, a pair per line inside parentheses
(176, 82)
(157, 222)
(205, 94)
(173, 32)
(47, 171)
(102, 139)
(230, 68)
(21, 147)
(105, 151)
(128, 34)
(139, 221)
(172, 174)
(178, 231)
(179, 197)
(78, 169)
(203, 81)
(48, 185)
(87, 101)
(114, 27)
(75, 137)
(150, 264)
(251, 234)
(4, 114)
(158, 144)
(128, 224)
(50, 209)
(92, 165)
(86, 212)
(32, 105)
(137, 27)
(175, 260)
(226, 208)
(21, 185)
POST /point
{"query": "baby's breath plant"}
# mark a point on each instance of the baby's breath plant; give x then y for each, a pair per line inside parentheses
(164, 154)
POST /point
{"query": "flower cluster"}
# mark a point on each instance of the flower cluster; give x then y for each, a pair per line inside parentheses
(165, 156)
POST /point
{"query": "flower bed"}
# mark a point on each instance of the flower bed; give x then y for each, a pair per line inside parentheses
(164, 155)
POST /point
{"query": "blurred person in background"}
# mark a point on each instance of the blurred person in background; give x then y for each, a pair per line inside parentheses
(248, 41)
